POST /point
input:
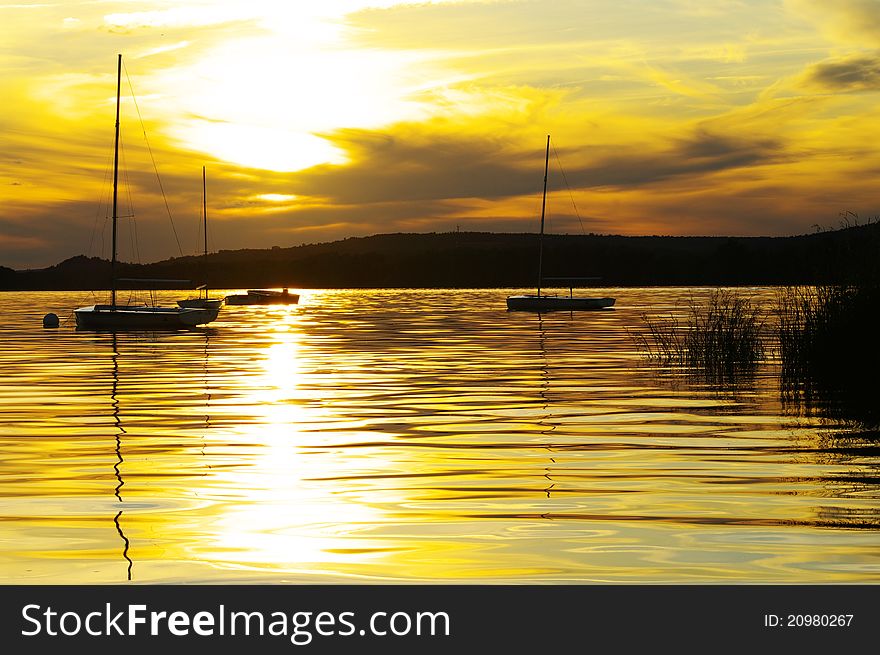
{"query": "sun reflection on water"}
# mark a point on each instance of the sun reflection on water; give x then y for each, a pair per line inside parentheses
(411, 435)
(273, 513)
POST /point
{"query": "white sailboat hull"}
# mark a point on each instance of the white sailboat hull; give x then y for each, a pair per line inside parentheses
(201, 303)
(141, 317)
(135, 317)
(556, 303)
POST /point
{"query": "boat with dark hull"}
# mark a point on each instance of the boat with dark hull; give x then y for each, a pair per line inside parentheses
(543, 302)
(142, 317)
(263, 297)
(551, 303)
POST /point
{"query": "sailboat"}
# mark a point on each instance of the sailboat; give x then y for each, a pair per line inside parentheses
(134, 317)
(206, 302)
(263, 297)
(544, 302)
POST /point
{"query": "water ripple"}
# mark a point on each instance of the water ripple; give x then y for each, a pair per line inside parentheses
(412, 435)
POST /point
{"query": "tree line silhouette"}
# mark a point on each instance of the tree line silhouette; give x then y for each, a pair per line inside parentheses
(480, 259)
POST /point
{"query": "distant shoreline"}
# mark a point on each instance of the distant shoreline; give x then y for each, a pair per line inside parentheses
(481, 260)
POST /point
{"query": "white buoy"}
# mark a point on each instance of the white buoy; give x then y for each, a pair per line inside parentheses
(50, 320)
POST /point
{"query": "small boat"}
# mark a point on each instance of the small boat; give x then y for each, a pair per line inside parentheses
(141, 317)
(547, 303)
(135, 317)
(550, 302)
(200, 302)
(263, 297)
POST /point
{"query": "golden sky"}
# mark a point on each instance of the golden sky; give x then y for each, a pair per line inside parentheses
(322, 120)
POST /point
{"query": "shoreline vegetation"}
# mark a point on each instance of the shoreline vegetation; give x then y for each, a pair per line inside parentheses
(495, 260)
(721, 337)
(824, 335)
(824, 340)
(829, 351)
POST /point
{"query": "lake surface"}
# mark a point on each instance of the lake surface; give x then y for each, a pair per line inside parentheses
(412, 436)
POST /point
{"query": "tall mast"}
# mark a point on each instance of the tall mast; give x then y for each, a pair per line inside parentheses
(115, 184)
(543, 205)
(205, 216)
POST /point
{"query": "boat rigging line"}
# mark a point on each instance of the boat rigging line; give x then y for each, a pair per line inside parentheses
(132, 233)
(153, 159)
(567, 186)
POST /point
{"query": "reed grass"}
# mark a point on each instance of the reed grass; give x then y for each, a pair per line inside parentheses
(721, 336)
(830, 348)
(828, 336)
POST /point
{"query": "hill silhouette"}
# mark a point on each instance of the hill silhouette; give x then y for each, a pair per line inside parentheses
(481, 259)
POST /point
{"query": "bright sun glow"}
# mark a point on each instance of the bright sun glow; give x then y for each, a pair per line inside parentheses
(269, 101)
(271, 148)
(277, 197)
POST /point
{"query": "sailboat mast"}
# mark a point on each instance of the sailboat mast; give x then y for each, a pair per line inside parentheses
(115, 184)
(543, 205)
(205, 217)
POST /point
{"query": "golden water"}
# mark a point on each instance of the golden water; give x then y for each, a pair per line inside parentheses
(413, 435)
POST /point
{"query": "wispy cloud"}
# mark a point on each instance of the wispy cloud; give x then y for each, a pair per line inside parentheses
(851, 22)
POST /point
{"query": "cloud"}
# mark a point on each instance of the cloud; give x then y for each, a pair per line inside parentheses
(849, 21)
(529, 23)
(688, 159)
(853, 73)
(177, 17)
(408, 165)
(16, 242)
(410, 178)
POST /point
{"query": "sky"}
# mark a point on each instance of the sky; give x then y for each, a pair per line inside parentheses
(325, 120)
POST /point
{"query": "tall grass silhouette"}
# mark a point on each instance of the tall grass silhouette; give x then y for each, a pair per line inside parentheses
(721, 337)
(829, 348)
